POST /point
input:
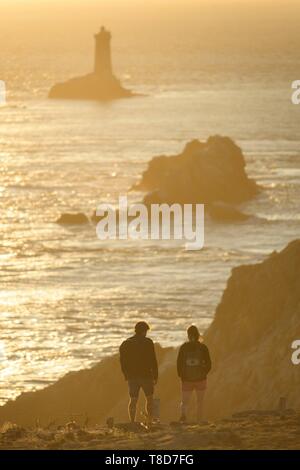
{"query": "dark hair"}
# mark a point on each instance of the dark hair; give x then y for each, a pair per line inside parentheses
(193, 333)
(141, 327)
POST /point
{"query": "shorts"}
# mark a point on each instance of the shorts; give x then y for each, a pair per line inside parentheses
(197, 385)
(135, 385)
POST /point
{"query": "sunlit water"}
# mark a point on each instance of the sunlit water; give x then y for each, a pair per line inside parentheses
(68, 299)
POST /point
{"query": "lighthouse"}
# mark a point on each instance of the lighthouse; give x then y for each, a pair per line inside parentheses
(100, 84)
(103, 64)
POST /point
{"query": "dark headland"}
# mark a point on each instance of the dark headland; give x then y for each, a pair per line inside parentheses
(252, 401)
(101, 84)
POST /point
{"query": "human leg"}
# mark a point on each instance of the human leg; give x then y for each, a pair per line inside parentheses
(200, 397)
(149, 407)
(134, 389)
(148, 388)
(185, 399)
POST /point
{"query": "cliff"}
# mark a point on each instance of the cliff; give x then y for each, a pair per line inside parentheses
(250, 342)
(255, 324)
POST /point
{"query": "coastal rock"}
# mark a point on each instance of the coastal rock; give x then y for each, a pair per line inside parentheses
(250, 340)
(154, 197)
(91, 395)
(73, 219)
(96, 218)
(90, 87)
(101, 84)
(205, 172)
(222, 212)
(251, 335)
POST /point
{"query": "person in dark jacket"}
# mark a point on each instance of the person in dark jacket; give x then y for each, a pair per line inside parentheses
(139, 366)
(193, 365)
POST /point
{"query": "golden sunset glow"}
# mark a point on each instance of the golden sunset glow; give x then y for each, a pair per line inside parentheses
(150, 180)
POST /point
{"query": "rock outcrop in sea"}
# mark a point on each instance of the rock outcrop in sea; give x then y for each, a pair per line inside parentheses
(211, 173)
(250, 341)
(78, 218)
(101, 84)
(204, 172)
(222, 212)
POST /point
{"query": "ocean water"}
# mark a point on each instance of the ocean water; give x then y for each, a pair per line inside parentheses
(68, 299)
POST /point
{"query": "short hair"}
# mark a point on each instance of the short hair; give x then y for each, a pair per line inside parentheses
(141, 327)
(193, 333)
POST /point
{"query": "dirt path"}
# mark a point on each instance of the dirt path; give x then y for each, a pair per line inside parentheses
(249, 430)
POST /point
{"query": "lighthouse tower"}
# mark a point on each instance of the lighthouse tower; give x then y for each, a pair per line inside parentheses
(99, 85)
(103, 64)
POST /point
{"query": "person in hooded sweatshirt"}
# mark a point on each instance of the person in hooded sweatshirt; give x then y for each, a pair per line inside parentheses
(139, 367)
(193, 365)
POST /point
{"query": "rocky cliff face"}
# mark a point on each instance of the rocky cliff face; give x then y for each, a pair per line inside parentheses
(250, 341)
(205, 172)
(250, 338)
(90, 395)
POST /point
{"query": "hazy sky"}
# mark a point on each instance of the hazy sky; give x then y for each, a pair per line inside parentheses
(270, 23)
(134, 10)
